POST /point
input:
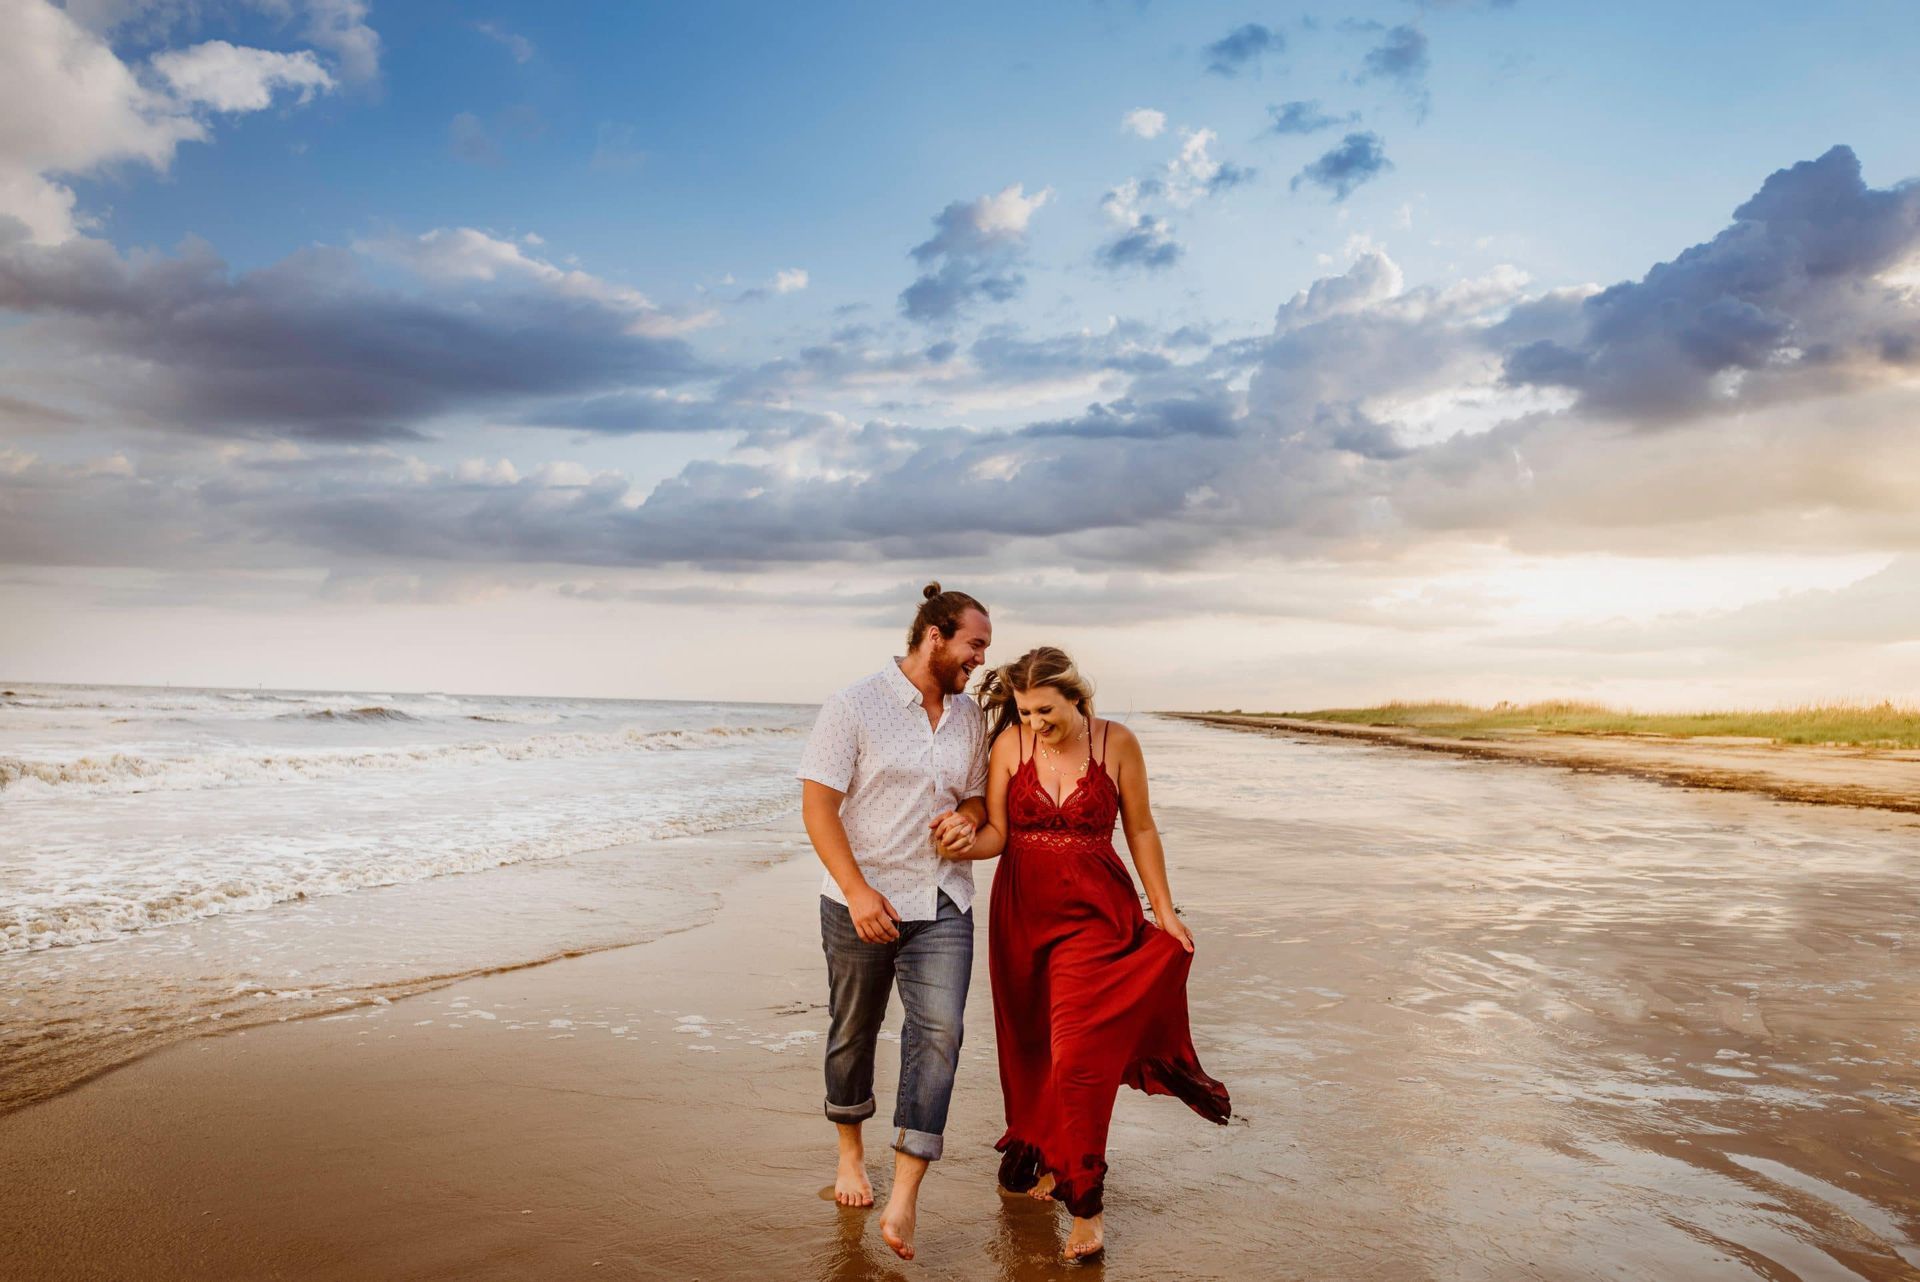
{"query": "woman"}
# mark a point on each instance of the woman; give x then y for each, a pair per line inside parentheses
(1087, 993)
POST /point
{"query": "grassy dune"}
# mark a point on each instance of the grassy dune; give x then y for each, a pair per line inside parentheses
(1881, 725)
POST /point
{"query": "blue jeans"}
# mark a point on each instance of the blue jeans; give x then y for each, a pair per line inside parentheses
(932, 962)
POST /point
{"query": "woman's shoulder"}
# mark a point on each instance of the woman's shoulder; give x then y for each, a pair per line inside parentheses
(1115, 734)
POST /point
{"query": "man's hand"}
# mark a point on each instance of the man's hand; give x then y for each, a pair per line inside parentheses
(952, 834)
(873, 917)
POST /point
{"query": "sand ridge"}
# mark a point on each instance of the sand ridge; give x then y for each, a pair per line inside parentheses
(1814, 775)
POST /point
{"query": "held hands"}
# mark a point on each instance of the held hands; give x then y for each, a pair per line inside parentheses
(952, 835)
(873, 917)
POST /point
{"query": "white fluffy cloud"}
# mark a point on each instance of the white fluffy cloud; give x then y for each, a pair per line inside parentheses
(230, 78)
(69, 105)
(1144, 122)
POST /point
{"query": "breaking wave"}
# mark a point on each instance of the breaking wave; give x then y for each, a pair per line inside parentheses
(131, 772)
(102, 916)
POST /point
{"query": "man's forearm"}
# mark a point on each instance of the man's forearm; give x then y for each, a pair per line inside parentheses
(829, 838)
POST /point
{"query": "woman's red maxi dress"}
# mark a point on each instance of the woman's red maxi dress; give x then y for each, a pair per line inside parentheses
(1086, 994)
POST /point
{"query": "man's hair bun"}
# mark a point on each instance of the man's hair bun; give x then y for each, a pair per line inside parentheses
(942, 610)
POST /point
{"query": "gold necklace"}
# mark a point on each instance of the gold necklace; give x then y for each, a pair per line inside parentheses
(1054, 758)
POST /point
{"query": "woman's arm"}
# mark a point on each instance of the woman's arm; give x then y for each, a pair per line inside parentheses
(1143, 839)
(991, 837)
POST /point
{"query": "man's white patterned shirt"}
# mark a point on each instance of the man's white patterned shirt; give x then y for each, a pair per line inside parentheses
(873, 742)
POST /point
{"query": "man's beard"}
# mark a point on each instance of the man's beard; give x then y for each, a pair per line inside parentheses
(948, 671)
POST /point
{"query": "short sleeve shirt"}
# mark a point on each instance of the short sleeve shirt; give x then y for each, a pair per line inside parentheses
(873, 742)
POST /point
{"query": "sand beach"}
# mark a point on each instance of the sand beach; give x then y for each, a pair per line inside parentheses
(1478, 1022)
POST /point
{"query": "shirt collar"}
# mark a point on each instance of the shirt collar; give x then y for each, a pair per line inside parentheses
(903, 689)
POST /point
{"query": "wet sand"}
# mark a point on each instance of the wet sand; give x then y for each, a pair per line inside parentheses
(1814, 774)
(1478, 1023)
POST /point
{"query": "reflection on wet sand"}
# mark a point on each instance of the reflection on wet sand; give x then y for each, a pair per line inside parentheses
(1670, 1032)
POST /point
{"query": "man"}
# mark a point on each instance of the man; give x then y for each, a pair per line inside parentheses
(895, 771)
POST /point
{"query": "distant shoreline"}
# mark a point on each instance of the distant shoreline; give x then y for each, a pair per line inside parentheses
(1823, 775)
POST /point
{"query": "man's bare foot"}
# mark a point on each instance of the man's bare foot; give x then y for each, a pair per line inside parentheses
(1043, 1189)
(850, 1186)
(903, 1203)
(896, 1226)
(1088, 1238)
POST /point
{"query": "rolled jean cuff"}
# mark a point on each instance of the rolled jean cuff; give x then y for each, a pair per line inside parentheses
(924, 1145)
(850, 1113)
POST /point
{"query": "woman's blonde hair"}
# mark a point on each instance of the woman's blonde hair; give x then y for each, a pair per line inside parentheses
(1038, 669)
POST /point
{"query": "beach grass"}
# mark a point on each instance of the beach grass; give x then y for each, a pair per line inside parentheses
(1879, 725)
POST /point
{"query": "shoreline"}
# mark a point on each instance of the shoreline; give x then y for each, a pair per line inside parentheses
(1809, 775)
(32, 1074)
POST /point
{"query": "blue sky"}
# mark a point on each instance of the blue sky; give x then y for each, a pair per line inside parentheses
(604, 313)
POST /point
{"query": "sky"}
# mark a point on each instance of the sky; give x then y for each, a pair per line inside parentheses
(1265, 356)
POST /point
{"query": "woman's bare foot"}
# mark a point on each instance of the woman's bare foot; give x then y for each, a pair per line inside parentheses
(896, 1226)
(850, 1186)
(1043, 1189)
(1087, 1239)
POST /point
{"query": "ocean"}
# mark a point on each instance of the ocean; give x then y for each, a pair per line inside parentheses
(172, 858)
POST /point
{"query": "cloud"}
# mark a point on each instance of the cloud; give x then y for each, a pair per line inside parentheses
(790, 280)
(452, 254)
(1245, 44)
(70, 106)
(1305, 117)
(1801, 293)
(340, 27)
(310, 348)
(1400, 57)
(1144, 122)
(658, 411)
(1374, 420)
(228, 78)
(518, 46)
(973, 254)
(1146, 243)
(1003, 369)
(1144, 238)
(1359, 158)
(1194, 173)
